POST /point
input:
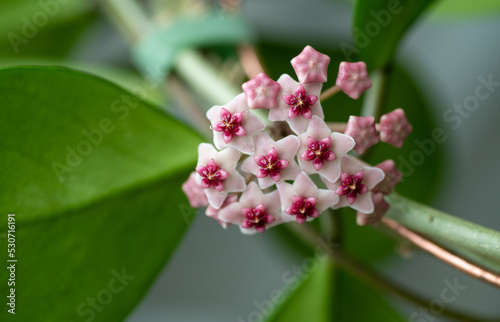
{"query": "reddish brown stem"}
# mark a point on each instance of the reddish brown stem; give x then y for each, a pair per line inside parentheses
(444, 255)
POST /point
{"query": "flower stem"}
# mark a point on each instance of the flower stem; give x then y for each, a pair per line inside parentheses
(444, 255)
(250, 60)
(329, 93)
(479, 243)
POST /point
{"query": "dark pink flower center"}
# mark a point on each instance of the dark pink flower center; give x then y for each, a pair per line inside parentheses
(300, 103)
(212, 175)
(270, 165)
(351, 186)
(303, 208)
(256, 217)
(229, 125)
(318, 152)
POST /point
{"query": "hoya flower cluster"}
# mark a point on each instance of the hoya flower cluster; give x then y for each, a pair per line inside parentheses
(256, 177)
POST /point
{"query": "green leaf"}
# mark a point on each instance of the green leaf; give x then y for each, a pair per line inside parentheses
(461, 8)
(356, 301)
(310, 298)
(330, 294)
(47, 27)
(123, 77)
(379, 25)
(113, 206)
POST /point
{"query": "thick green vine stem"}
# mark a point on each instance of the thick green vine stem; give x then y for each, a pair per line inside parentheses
(480, 244)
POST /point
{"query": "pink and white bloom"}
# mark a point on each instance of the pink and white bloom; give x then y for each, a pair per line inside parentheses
(392, 177)
(216, 173)
(234, 125)
(298, 103)
(261, 92)
(311, 66)
(363, 131)
(380, 209)
(303, 201)
(194, 192)
(273, 160)
(214, 213)
(394, 127)
(255, 211)
(321, 149)
(353, 79)
(355, 184)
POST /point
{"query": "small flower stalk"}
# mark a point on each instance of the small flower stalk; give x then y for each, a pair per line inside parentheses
(255, 180)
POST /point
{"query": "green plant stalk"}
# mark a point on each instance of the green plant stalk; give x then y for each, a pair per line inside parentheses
(128, 16)
(203, 78)
(462, 236)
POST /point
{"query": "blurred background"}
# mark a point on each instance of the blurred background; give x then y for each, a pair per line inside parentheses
(218, 275)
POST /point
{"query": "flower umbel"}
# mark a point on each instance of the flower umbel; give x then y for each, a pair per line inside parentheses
(286, 156)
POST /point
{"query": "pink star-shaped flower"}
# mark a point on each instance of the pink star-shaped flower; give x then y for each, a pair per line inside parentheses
(380, 209)
(216, 173)
(392, 177)
(261, 92)
(320, 150)
(363, 131)
(214, 213)
(303, 201)
(255, 212)
(195, 194)
(234, 125)
(298, 104)
(273, 161)
(394, 127)
(355, 184)
(353, 79)
(311, 66)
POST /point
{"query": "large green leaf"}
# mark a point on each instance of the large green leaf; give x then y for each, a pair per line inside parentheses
(330, 294)
(88, 207)
(378, 27)
(308, 299)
